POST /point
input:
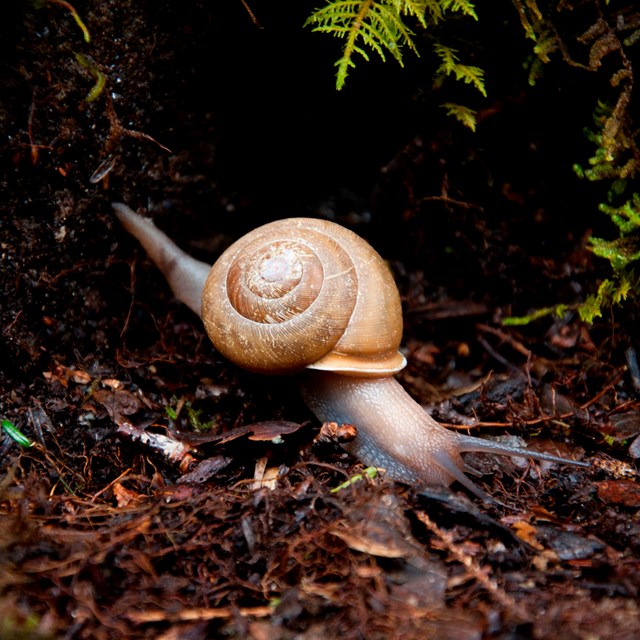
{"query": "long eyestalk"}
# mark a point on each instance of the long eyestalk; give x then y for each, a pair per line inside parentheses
(185, 275)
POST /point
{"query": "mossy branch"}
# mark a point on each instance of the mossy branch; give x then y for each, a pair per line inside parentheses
(366, 25)
(616, 139)
(450, 65)
(462, 114)
(380, 26)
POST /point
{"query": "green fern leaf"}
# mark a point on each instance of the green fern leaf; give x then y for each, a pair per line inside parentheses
(450, 65)
(368, 25)
(590, 309)
(626, 217)
(417, 8)
(379, 25)
(460, 6)
(611, 292)
(464, 115)
(620, 252)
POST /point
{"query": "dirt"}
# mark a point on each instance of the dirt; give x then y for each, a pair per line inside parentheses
(150, 489)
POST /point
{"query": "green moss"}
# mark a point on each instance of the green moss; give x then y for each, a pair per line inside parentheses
(616, 155)
(382, 26)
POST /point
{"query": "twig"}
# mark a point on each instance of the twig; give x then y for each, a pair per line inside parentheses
(10, 326)
(473, 569)
(602, 392)
(162, 615)
(111, 484)
(117, 130)
(251, 14)
(505, 425)
(494, 354)
(505, 337)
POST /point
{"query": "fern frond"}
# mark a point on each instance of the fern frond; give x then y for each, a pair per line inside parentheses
(623, 286)
(450, 65)
(418, 9)
(463, 114)
(374, 25)
(611, 292)
(460, 6)
(619, 252)
(625, 217)
(379, 25)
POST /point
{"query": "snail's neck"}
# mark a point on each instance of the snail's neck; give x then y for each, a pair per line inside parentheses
(186, 275)
(394, 432)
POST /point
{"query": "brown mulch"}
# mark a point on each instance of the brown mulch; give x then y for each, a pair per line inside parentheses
(165, 494)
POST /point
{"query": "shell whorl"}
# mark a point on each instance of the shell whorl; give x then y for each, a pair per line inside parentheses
(302, 293)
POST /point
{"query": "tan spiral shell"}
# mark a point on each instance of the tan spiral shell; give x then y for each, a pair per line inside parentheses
(302, 293)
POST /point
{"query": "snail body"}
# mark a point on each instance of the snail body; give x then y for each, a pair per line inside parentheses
(308, 296)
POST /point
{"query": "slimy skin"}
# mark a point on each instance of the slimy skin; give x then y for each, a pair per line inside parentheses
(396, 434)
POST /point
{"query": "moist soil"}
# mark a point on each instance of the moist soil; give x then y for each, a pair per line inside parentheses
(150, 489)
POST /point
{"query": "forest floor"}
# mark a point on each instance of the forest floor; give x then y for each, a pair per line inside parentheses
(142, 494)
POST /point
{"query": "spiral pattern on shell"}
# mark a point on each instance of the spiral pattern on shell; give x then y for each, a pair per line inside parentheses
(304, 293)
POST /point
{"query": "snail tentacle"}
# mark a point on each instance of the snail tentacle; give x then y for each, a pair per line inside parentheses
(186, 275)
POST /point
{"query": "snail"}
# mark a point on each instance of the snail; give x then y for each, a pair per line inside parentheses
(310, 297)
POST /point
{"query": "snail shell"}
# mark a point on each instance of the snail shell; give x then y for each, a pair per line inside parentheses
(302, 293)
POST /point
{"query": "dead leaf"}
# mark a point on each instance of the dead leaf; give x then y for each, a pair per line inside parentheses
(64, 375)
(623, 492)
(117, 403)
(625, 425)
(271, 429)
(374, 541)
(334, 432)
(527, 533)
(569, 545)
(259, 431)
(205, 470)
(378, 528)
(124, 497)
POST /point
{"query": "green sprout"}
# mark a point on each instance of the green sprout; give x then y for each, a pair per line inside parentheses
(15, 434)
